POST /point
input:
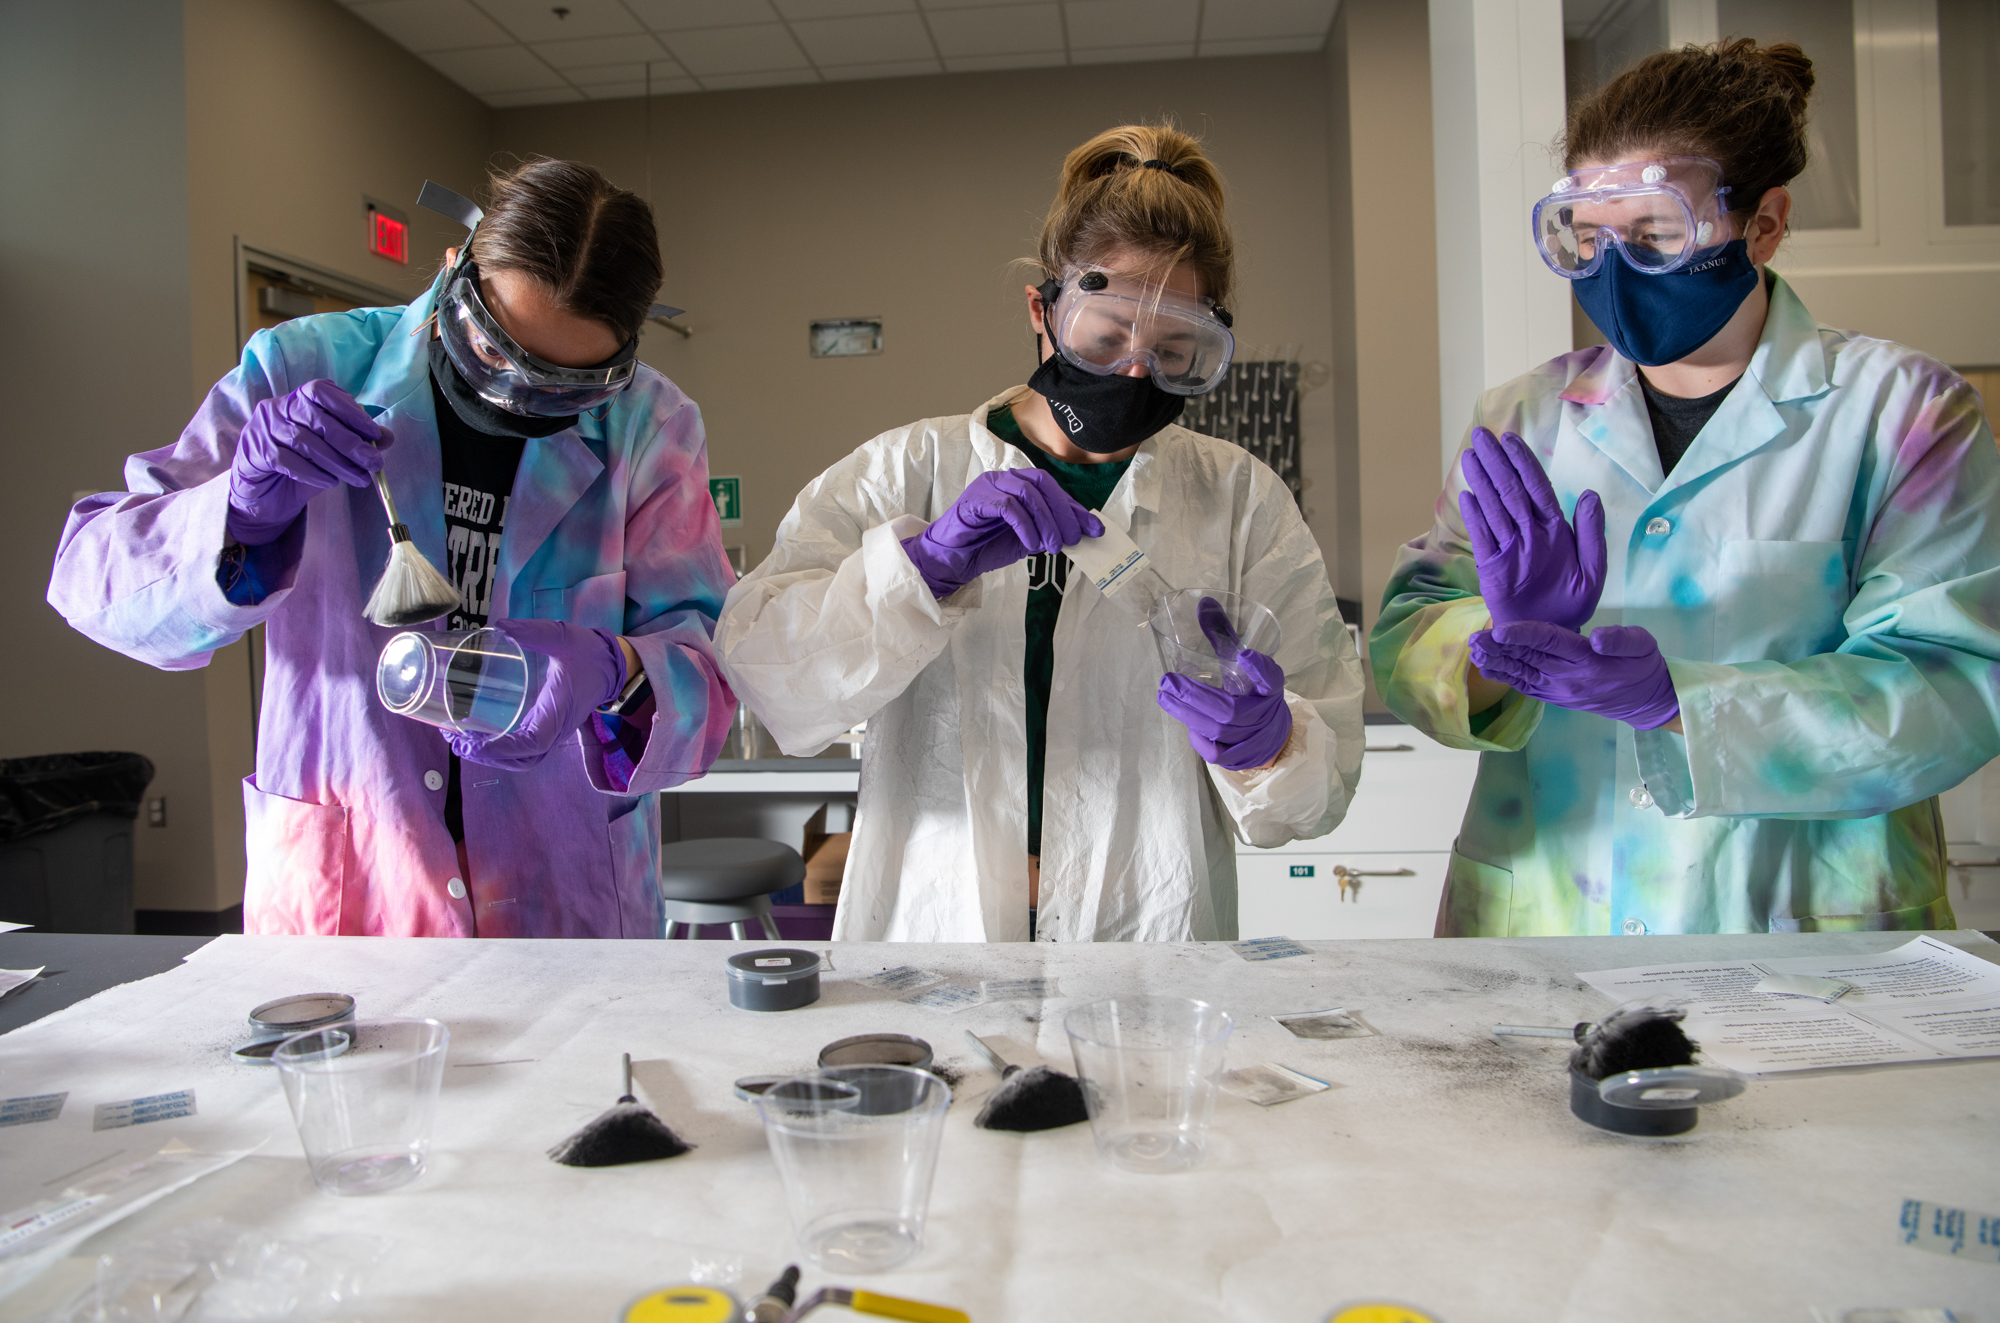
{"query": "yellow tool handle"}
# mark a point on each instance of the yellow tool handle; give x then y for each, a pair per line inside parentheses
(910, 1311)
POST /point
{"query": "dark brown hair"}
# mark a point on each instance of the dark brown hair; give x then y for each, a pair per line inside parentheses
(1735, 102)
(1147, 187)
(569, 227)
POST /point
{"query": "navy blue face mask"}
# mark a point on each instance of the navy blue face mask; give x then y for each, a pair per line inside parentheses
(1654, 320)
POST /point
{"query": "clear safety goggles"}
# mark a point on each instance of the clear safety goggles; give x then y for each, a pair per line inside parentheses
(1658, 215)
(1104, 324)
(508, 376)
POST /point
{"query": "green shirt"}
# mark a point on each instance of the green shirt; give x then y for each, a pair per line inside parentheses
(1091, 486)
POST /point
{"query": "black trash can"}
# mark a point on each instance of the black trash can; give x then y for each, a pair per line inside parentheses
(66, 839)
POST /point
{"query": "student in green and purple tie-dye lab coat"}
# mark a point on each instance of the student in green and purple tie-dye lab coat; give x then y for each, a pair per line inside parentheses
(1818, 570)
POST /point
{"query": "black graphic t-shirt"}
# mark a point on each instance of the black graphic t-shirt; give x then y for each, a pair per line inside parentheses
(478, 476)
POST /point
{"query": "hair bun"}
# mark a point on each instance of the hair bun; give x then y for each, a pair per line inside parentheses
(1788, 65)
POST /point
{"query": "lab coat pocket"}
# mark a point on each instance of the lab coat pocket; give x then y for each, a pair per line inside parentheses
(297, 871)
(598, 602)
(1477, 899)
(1780, 601)
(634, 838)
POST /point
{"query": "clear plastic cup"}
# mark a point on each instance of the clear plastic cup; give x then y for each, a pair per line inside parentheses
(857, 1146)
(1186, 650)
(364, 1095)
(1148, 1067)
(478, 681)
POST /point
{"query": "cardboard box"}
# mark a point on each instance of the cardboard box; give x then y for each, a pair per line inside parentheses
(825, 854)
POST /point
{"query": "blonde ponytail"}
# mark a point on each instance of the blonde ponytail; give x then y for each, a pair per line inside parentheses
(1146, 187)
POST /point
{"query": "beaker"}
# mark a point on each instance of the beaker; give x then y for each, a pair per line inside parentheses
(1186, 650)
(1148, 1067)
(478, 681)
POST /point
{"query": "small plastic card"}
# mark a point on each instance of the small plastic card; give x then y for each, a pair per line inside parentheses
(1338, 1022)
(27, 1111)
(1268, 948)
(1267, 1086)
(1110, 561)
(143, 1111)
(1952, 1232)
(1805, 985)
(947, 997)
(903, 978)
(1020, 989)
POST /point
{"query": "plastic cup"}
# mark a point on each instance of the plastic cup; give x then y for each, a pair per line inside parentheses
(857, 1146)
(1148, 1067)
(478, 681)
(364, 1095)
(1185, 649)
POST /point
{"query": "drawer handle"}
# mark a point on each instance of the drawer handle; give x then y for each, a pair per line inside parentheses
(1342, 870)
(1388, 748)
(1972, 863)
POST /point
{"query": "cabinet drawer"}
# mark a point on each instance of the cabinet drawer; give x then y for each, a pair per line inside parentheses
(1299, 895)
(1408, 800)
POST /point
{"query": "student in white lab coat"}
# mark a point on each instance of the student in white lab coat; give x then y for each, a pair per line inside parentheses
(1028, 771)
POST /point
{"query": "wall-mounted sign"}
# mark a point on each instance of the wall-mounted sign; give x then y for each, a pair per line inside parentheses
(846, 337)
(727, 493)
(388, 231)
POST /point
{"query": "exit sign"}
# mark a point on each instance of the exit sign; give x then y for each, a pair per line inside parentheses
(727, 493)
(388, 232)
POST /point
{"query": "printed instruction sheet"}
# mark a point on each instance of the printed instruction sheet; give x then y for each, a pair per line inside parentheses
(1923, 1001)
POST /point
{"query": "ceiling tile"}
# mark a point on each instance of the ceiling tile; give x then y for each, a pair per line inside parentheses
(998, 30)
(536, 20)
(756, 49)
(873, 40)
(547, 96)
(768, 78)
(1239, 19)
(1180, 50)
(797, 10)
(624, 91)
(636, 48)
(599, 74)
(934, 6)
(680, 15)
(1263, 46)
(848, 73)
(433, 25)
(1024, 60)
(1126, 23)
(501, 69)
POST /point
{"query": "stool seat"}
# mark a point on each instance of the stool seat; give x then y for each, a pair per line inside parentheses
(725, 868)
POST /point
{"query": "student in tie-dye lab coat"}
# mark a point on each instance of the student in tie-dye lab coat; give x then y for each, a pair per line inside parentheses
(573, 482)
(1779, 531)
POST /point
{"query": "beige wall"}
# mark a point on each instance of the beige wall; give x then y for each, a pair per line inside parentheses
(93, 327)
(909, 199)
(1384, 285)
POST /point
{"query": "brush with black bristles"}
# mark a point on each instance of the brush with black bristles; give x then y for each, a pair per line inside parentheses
(1635, 1038)
(411, 590)
(626, 1133)
(1036, 1098)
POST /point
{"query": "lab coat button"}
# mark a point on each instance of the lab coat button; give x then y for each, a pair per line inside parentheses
(1640, 797)
(1655, 527)
(433, 781)
(1635, 927)
(457, 888)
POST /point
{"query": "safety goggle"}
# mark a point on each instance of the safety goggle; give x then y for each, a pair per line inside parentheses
(504, 374)
(498, 369)
(1104, 324)
(1658, 215)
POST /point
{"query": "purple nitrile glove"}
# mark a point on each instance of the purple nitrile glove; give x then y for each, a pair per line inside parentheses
(1001, 517)
(294, 447)
(1244, 724)
(1617, 672)
(1532, 566)
(586, 671)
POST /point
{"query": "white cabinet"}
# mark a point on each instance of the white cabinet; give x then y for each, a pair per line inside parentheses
(1404, 817)
(1286, 894)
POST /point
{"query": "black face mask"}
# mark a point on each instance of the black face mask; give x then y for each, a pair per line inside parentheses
(480, 415)
(1103, 414)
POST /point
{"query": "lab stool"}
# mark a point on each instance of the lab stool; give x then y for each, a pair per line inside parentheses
(726, 879)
